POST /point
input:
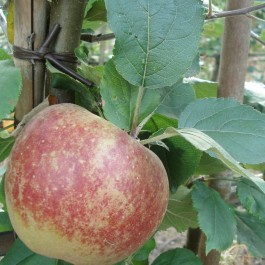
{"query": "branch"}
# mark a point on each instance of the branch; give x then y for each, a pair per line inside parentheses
(237, 12)
(244, 11)
(210, 11)
(97, 38)
(255, 18)
(256, 37)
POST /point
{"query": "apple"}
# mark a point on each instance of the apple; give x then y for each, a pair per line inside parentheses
(82, 190)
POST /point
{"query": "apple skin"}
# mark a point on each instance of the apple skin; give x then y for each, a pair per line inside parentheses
(82, 190)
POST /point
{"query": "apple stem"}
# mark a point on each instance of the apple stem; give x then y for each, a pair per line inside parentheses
(135, 130)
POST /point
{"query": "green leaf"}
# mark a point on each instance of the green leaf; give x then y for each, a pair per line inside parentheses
(180, 212)
(11, 83)
(239, 129)
(92, 73)
(4, 55)
(140, 257)
(96, 11)
(119, 98)
(180, 160)
(6, 145)
(216, 218)
(257, 167)
(62, 262)
(204, 88)
(158, 121)
(251, 232)
(175, 100)
(2, 193)
(252, 197)
(38, 259)
(5, 224)
(213, 29)
(178, 256)
(204, 143)
(20, 254)
(195, 67)
(156, 41)
(63, 81)
(143, 253)
(209, 165)
(16, 254)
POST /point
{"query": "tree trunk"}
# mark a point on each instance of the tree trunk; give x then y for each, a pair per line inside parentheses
(29, 32)
(233, 66)
(234, 56)
(69, 15)
(22, 33)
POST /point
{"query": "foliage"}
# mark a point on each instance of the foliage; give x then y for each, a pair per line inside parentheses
(213, 214)
(148, 90)
(11, 83)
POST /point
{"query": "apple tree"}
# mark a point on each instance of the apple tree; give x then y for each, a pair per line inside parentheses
(146, 89)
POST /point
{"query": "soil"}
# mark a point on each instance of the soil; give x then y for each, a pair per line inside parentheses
(235, 255)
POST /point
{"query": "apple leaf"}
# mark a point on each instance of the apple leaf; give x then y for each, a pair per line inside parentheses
(63, 81)
(239, 129)
(204, 88)
(252, 197)
(140, 257)
(175, 100)
(195, 67)
(204, 143)
(19, 254)
(180, 161)
(178, 256)
(251, 232)
(143, 51)
(180, 212)
(180, 158)
(38, 259)
(96, 11)
(16, 254)
(92, 73)
(6, 145)
(209, 165)
(216, 218)
(2, 193)
(4, 55)
(159, 121)
(5, 224)
(143, 253)
(11, 83)
(119, 98)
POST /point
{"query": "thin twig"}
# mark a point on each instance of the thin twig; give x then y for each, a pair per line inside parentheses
(244, 11)
(256, 37)
(210, 11)
(255, 18)
(237, 12)
(97, 38)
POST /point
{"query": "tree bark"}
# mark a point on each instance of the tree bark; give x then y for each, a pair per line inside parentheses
(22, 33)
(234, 56)
(232, 72)
(29, 32)
(40, 25)
(69, 15)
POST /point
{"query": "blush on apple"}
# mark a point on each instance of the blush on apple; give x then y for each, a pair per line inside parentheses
(80, 189)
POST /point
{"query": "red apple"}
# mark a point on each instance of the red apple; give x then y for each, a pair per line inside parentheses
(80, 189)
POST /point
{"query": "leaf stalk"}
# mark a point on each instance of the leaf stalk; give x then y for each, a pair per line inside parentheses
(134, 131)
